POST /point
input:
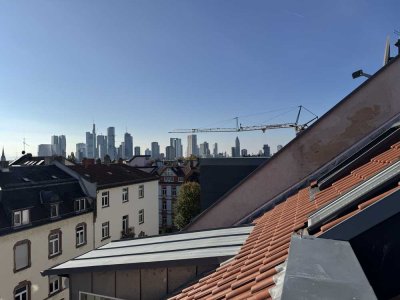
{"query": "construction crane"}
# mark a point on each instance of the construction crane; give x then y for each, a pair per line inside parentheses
(297, 127)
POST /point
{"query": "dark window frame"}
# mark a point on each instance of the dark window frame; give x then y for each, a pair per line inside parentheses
(26, 241)
(103, 225)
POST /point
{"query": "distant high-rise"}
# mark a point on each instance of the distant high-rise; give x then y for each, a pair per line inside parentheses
(55, 144)
(121, 151)
(215, 150)
(3, 157)
(128, 146)
(137, 150)
(233, 152)
(266, 151)
(155, 150)
(111, 142)
(177, 145)
(3, 161)
(237, 146)
(45, 150)
(101, 146)
(244, 152)
(204, 150)
(192, 148)
(62, 140)
(170, 153)
(80, 151)
(91, 143)
(147, 152)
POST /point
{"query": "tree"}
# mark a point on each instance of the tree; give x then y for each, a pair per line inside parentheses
(188, 204)
(71, 157)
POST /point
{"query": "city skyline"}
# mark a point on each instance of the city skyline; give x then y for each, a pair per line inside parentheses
(62, 68)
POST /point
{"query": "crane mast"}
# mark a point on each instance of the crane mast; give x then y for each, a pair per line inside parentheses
(239, 128)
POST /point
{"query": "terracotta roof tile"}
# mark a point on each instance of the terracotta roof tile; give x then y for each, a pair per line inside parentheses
(250, 274)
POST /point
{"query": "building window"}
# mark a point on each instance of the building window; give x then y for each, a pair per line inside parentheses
(105, 230)
(55, 243)
(168, 179)
(141, 191)
(164, 220)
(125, 195)
(22, 255)
(80, 234)
(173, 191)
(21, 217)
(141, 216)
(54, 284)
(54, 210)
(180, 179)
(164, 205)
(23, 291)
(105, 199)
(164, 191)
(125, 224)
(80, 205)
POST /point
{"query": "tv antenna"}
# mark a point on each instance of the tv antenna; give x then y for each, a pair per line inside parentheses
(24, 144)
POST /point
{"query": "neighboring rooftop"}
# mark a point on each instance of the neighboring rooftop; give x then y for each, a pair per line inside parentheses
(112, 174)
(203, 247)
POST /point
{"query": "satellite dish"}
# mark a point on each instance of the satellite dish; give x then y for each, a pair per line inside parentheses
(386, 56)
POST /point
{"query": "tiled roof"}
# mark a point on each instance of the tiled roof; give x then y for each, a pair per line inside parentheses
(113, 174)
(251, 274)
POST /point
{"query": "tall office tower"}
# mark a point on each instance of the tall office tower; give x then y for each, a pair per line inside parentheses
(155, 150)
(237, 146)
(177, 145)
(204, 150)
(215, 150)
(55, 144)
(233, 152)
(279, 147)
(137, 150)
(170, 153)
(80, 151)
(89, 145)
(101, 146)
(111, 142)
(45, 150)
(147, 152)
(128, 146)
(192, 148)
(267, 151)
(244, 152)
(62, 141)
(121, 151)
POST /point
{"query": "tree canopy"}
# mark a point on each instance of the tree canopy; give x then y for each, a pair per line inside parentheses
(188, 204)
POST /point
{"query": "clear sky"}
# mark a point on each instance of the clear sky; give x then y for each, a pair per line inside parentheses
(154, 66)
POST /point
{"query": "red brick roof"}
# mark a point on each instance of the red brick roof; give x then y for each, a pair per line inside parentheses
(251, 273)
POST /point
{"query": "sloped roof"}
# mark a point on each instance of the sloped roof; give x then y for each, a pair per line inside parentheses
(250, 274)
(113, 174)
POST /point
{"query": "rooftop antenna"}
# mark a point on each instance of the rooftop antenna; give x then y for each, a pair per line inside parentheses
(24, 144)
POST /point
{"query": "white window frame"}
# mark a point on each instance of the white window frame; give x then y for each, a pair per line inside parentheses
(105, 228)
(164, 205)
(141, 191)
(56, 206)
(25, 292)
(105, 199)
(80, 205)
(23, 217)
(84, 296)
(125, 223)
(125, 194)
(54, 284)
(54, 239)
(141, 216)
(164, 191)
(80, 235)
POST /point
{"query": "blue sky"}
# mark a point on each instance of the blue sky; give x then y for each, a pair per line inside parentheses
(153, 66)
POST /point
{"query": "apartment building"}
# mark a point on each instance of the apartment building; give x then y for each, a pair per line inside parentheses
(126, 200)
(45, 219)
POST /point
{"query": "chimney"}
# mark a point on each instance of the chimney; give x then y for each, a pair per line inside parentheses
(86, 162)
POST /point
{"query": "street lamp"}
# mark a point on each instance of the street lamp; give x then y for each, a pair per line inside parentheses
(360, 73)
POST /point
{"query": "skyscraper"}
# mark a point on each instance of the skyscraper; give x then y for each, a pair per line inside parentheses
(91, 143)
(177, 145)
(192, 148)
(170, 153)
(55, 145)
(215, 150)
(204, 150)
(147, 152)
(267, 150)
(62, 141)
(137, 150)
(45, 150)
(128, 146)
(237, 147)
(111, 142)
(101, 146)
(80, 151)
(155, 150)
(244, 152)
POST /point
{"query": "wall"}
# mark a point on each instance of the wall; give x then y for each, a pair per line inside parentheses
(39, 256)
(135, 284)
(367, 108)
(117, 209)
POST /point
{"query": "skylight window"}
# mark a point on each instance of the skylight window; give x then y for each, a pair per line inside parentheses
(26, 179)
(54, 177)
(109, 173)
